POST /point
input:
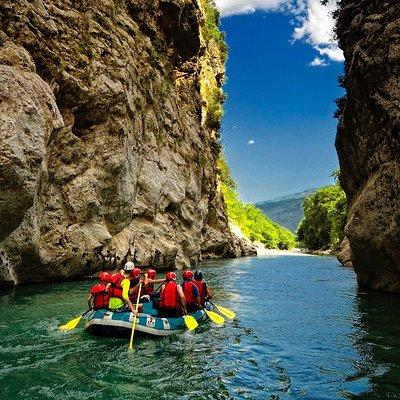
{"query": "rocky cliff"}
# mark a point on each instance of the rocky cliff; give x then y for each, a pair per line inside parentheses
(109, 114)
(368, 138)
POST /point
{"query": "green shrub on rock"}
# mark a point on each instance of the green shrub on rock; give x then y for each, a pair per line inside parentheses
(324, 218)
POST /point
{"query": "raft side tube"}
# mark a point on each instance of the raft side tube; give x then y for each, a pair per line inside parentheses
(108, 323)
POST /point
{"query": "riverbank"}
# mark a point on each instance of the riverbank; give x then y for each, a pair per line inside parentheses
(262, 251)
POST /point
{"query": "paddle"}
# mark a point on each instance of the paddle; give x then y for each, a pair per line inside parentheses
(225, 311)
(216, 318)
(190, 322)
(158, 288)
(135, 317)
(73, 323)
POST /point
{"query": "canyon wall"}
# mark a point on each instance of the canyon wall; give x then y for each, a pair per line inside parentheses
(368, 138)
(109, 117)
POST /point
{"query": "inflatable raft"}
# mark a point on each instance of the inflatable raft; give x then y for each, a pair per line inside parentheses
(108, 323)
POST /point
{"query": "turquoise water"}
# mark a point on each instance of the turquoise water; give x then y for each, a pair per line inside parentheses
(303, 332)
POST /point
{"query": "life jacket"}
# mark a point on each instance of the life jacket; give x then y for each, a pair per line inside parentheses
(149, 288)
(188, 291)
(202, 286)
(100, 296)
(169, 297)
(116, 288)
(134, 282)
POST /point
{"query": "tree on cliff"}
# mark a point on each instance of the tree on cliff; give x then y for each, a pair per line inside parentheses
(324, 218)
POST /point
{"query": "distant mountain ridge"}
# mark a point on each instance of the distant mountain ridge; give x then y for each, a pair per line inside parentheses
(286, 210)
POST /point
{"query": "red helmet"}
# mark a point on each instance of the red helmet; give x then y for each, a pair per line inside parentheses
(188, 274)
(170, 276)
(151, 273)
(136, 272)
(105, 277)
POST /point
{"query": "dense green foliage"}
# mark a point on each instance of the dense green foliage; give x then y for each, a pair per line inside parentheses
(224, 173)
(253, 223)
(215, 112)
(211, 29)
(212, 80)
(324, 218)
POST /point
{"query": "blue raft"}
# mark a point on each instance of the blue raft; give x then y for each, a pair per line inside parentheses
(108, 323)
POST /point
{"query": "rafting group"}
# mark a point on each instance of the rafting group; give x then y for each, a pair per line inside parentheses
(120, 291)
(127, 301)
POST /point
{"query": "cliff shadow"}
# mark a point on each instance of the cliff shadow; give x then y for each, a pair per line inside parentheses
(377, 341)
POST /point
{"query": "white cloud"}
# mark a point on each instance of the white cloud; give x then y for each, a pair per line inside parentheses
(251, 141)
(332, 51)
(318, 62)
(315, 21)
(232, 7)
(316, 28)
(317, 25)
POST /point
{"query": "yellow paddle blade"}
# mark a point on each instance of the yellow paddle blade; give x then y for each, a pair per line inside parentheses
(216, 318)
(190, 322)
(226, 311)
(71, 324)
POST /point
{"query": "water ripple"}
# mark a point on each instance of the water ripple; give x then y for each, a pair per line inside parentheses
(302, 332)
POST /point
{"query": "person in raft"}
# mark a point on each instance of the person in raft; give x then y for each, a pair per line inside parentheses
(119, 291)
(148, 283)
(190, 291)
(135, 280)
(205, 291)
(99, 294)
(172, 300)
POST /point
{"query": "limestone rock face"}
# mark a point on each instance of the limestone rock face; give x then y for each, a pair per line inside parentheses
(29, 118)
(343, 254)
(368, 139)
(104, 154)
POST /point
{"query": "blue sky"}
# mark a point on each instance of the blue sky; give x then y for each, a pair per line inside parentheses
(277, 100)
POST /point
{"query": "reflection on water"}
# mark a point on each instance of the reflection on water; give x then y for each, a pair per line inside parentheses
(378, 344)
(302, 332)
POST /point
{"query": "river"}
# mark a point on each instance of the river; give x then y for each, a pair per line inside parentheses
(303, 331)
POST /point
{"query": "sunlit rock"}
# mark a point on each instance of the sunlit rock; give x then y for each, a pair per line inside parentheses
(107, 152)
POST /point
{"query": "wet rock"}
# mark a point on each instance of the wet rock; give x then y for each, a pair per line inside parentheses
(343, 254)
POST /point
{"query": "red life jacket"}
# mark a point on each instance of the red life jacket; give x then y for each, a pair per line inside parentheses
(149, 288)
(100, 296)
(188, 291)
(134, 281)
(116, 288)
(202, 286)
(169, 297)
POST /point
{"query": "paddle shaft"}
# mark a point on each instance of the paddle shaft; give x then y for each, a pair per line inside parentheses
(159, 287)
(90, 309)
(74, 322)
(135, 317)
